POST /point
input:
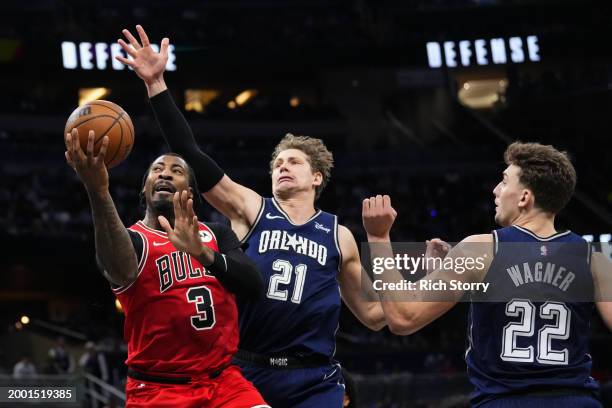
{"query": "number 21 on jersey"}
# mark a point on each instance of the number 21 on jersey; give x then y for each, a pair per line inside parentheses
(284, 276)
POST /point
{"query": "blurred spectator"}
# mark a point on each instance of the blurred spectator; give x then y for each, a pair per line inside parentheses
(24, 369)
(60, 359)
(93, 361)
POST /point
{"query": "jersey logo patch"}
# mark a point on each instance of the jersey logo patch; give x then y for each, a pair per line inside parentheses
(155, 243)
(273, 217)
(205, 236)
(322, 227)
(543, 250)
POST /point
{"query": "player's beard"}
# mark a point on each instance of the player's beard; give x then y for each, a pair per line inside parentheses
(163, 207)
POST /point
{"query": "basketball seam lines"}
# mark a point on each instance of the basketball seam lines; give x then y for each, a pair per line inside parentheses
(106, 106)
(109, 128)
(76, 125)
(120, 140)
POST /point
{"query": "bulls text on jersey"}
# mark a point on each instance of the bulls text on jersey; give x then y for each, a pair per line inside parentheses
(176, 267)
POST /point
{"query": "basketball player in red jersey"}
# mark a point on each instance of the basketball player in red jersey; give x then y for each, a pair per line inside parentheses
(176, 279)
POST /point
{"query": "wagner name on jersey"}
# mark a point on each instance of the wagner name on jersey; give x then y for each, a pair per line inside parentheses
(537, 337)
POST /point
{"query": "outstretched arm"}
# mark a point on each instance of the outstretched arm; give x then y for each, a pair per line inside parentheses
(240, 204)
(416, 308)
(114, 247)
(230, 266)
(357, 295)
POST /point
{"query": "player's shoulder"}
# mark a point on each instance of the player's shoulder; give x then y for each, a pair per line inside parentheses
(344, 233)
(218, 229)
(478, 238)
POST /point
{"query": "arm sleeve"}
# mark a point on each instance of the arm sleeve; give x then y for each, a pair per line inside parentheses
(234, 269)
(180, 139)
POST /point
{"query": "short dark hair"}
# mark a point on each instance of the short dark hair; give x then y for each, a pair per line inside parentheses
(193, 184)
(546, 171)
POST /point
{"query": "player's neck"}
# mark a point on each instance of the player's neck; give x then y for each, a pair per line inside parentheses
(541, 224)
(299, 208)
(151, 221)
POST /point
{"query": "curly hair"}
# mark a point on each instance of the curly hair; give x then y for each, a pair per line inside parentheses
(546, 171)
(321, 160)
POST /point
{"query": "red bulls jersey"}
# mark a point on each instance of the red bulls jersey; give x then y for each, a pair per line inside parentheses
(179, 319)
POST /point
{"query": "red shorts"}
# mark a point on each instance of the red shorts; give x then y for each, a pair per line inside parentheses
(228, 390)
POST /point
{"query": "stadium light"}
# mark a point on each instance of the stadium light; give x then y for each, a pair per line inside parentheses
(24, 319)
(91, 94)
(118, 306)
(197, 99)
(482, 93)
(245, 96)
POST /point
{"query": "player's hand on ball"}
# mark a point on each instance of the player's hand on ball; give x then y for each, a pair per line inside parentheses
(378, 216)
(436, 248)
(90, 169)
(148, 64)
(185, 235)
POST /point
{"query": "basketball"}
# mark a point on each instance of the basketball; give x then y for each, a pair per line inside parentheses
(105, 119)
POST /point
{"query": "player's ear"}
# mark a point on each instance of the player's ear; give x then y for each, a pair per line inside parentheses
(318, 178)
(526, 198)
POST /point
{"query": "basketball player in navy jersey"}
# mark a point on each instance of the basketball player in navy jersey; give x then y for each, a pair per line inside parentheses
(308, 260)
(521, 353)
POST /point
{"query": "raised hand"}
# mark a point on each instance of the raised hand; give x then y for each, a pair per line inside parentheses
(185, 235)
(436, 249)
(148, 64)
(378, 217)
(91, 169)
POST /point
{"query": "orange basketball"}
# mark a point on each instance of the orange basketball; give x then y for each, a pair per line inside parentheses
(105, 119)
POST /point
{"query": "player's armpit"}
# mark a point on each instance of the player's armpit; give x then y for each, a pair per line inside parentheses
(357, 295)
(241, 276)
(237, 202)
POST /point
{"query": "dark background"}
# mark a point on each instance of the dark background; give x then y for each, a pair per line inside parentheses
(359, 69)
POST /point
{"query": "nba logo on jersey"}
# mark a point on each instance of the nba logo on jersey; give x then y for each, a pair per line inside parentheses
(543, 250)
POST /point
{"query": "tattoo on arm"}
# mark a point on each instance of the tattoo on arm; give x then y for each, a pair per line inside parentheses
(113, 244)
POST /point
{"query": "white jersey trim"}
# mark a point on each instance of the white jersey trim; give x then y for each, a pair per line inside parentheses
(250, 232)
(337, 242)
(153, 230)
(278, 207)
(495, 242)
(554, 236)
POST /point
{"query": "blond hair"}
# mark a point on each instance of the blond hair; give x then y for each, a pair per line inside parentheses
(320, 158)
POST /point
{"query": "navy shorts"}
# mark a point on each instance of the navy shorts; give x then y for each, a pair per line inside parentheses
(318, 387)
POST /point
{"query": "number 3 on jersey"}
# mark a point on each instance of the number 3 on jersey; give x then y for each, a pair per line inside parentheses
(205, 319)
(284, 276)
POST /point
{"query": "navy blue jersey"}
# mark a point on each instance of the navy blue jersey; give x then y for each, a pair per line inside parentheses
(299, 265)
(522, 344)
